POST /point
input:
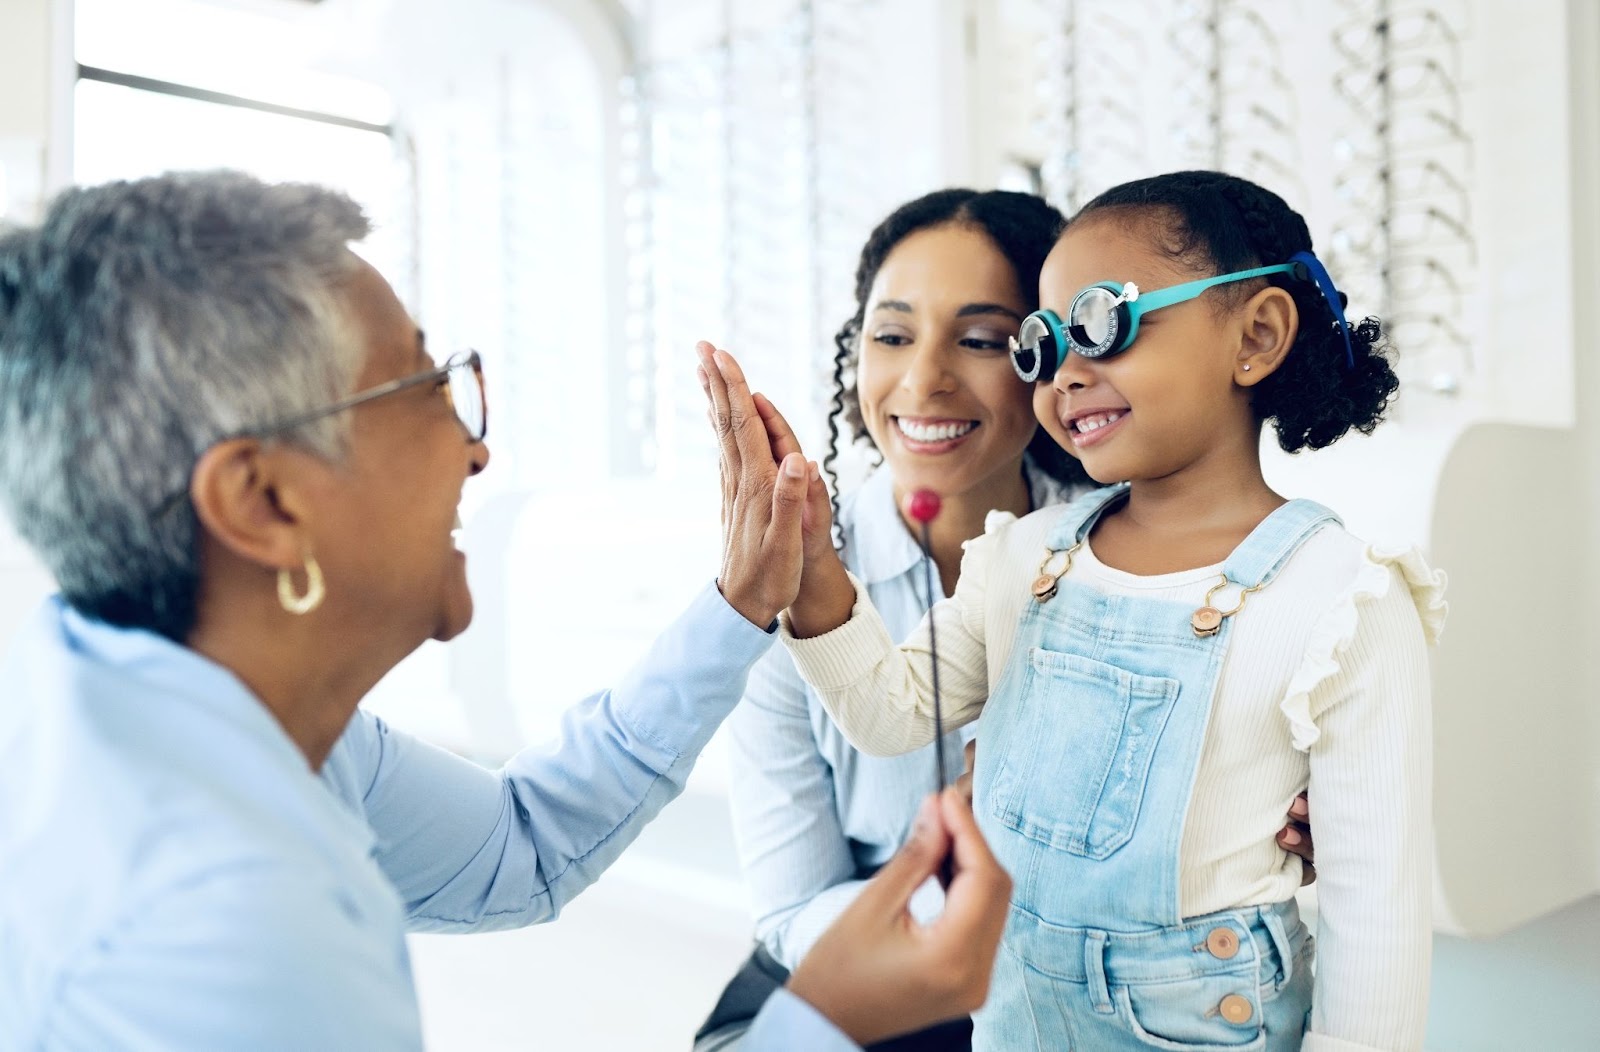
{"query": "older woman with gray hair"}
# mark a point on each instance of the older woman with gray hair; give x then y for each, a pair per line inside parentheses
(225, 437)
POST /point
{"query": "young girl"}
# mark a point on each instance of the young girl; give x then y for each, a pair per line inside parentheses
(1164, 663)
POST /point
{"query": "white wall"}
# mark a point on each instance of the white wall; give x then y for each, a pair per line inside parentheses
(25, 79)
(1584, 27)
(32, 114)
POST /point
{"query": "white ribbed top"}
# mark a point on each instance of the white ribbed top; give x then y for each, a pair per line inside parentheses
(1325, 685)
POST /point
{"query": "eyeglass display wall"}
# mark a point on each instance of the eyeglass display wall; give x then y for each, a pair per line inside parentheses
(1389, 123)
(1443, 152)
(757, 158)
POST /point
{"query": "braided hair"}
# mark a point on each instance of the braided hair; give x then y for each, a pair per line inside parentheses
(1022, 226)
(1219, 223)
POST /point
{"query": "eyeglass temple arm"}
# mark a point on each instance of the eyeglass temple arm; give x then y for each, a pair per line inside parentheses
(1166, 297)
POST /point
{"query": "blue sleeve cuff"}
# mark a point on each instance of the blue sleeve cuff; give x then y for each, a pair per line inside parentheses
(789, 1024)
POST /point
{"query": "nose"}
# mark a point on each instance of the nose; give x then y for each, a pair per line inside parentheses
(1073, 374)
(479, 454)
(927, 373)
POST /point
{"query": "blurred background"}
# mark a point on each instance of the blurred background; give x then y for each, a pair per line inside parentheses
(582, 188)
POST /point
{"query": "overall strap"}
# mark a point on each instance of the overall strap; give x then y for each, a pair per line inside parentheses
(1267, 550)
(1080, 516)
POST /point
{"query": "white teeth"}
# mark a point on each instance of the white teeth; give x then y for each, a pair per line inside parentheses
(933, 432)
(1095, 422)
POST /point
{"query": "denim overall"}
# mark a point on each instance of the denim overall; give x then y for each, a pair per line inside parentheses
(1087, 758)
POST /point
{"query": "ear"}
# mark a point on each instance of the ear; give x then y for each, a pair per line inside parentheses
(1271, 321)
(246, 499)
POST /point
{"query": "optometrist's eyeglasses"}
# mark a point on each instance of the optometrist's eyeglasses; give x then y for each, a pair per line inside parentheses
(459, 380)
(1103, 319)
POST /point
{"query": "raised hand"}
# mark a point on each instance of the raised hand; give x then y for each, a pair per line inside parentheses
(763, 496)
(816, 517)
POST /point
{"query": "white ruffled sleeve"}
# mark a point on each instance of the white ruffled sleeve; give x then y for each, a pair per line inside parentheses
(1359, 706)
(1383, 569)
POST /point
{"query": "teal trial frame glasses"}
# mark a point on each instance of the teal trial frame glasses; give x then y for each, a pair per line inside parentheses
(1103, 319)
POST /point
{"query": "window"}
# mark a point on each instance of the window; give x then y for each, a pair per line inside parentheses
(170, 84)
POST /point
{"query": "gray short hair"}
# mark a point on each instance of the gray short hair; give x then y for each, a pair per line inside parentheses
(140, 323)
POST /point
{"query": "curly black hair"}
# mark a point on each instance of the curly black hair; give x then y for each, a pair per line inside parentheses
(1022, 226)
(1221, 223)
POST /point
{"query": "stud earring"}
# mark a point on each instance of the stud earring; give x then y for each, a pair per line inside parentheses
(1246, 366)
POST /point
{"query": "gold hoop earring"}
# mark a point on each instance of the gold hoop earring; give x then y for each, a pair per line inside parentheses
(315, 590)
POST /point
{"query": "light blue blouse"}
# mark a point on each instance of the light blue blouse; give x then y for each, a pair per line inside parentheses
(174, 876)
(813, 817)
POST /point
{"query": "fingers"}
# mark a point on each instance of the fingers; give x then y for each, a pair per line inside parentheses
(715, 387)
(737, 413)
(974, 861)
(817, 517)
(1296, 839)
(976, 902)
(784, 538)
(876, 973)
(889, 891)
(1295, 836)
(963, 784)
(817, 511)
(779, 434)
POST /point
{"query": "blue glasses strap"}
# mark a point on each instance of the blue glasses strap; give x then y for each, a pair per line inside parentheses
(1318, 274)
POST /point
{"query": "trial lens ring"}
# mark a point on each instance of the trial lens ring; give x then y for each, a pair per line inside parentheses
(1034, 350)
(1095, 321)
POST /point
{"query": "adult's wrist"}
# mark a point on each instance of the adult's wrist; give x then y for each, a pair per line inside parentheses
(753, 608)
(847, 1016)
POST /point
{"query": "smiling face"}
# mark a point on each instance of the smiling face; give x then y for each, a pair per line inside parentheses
(386, 540)
(1168, 402)
(938, 394)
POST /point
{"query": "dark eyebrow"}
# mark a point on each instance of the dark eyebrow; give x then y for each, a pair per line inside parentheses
(988, 308)
(968, 311)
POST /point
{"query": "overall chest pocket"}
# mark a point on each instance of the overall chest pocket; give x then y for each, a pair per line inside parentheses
(1072, 769)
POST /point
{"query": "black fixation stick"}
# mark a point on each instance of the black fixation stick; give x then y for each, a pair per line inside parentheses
(923, 509)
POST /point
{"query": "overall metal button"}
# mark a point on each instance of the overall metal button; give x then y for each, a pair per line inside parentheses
(1223, 943)
(1236, 1009)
